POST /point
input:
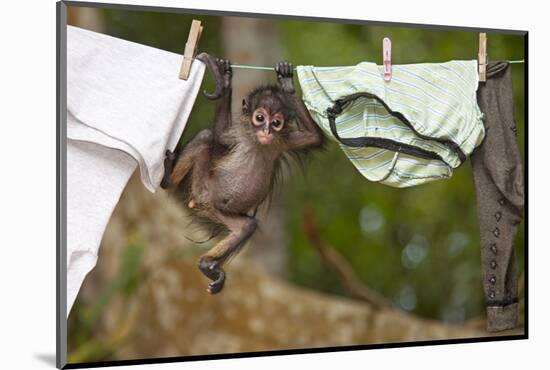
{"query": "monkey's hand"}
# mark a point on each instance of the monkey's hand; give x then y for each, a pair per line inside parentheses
(284, 76)
(226, 72)
(222, 73)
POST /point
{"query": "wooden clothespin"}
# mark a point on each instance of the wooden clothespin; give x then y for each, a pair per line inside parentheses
(190, 48)
(386, 56)
(482, 57)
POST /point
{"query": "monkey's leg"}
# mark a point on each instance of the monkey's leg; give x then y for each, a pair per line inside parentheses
(241, 229)
(176, 167)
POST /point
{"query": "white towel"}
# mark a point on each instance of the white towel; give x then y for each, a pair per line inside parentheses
(126, 106)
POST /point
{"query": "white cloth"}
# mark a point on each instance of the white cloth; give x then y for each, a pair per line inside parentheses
(126, 106)
(96, 176)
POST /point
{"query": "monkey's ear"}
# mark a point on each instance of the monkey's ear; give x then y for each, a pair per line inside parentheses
(245, 106)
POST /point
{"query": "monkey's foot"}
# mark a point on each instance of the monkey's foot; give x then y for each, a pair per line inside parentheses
(284, 76)
(211, 270)
(169, 160)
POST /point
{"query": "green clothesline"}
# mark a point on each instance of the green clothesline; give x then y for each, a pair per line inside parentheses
(242, 66)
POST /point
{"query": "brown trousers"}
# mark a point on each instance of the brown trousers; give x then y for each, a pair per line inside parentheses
(498, 177)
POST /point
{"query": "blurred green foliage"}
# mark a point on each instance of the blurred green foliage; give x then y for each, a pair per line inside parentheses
(419, 246)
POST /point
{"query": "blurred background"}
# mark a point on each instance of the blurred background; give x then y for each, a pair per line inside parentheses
(337, 261)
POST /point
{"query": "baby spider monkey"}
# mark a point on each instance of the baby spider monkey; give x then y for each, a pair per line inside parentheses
(224, 174)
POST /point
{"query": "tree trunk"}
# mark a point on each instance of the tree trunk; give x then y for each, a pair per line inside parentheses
(88, 18)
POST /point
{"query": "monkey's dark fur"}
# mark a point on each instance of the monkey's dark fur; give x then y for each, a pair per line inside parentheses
(226, 173)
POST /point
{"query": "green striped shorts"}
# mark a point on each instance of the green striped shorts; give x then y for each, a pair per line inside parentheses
(414, 129)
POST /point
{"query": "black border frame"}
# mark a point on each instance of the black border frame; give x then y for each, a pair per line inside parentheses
(61, 164)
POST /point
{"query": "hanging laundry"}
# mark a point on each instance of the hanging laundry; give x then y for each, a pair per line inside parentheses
(411, 130)
(499, 183)
(125, 107)
(419, 127)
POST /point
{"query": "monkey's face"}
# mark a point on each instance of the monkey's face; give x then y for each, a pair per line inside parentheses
(267, 124)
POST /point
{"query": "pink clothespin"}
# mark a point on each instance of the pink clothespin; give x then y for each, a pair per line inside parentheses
(386, 54)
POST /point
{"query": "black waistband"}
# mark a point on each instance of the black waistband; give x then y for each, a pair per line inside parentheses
(363, 142)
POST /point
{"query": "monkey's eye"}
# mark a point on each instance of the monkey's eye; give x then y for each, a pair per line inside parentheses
(277, 124)
(260, 117)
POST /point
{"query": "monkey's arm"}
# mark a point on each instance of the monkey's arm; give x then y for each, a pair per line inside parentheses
(222, 73)
(311, 136)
